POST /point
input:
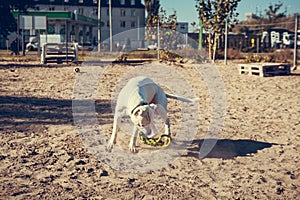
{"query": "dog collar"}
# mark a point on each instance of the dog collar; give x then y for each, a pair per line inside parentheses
(140, 104)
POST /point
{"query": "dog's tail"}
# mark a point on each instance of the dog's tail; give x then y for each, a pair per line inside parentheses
(172, 96)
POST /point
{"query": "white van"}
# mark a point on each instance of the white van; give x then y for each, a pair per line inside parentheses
(34, 41)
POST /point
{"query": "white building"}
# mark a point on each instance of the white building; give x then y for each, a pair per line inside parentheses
(77, 19)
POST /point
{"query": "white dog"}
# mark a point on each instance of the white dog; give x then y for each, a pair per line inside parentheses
(141, 99)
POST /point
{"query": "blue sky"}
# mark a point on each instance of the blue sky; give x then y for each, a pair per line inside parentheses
(186, 11)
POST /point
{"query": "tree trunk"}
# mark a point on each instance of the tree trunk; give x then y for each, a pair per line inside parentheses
(215, 47)
(209, 46)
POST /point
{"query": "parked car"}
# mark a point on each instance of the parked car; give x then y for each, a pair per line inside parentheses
(152, 46)
(86, 47)
(34, 41)
(32, 45)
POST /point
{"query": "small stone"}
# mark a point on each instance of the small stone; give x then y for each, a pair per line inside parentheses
(263, 179)
(131, 180)
(104, 173)
(80, 162)
(293, 176)
(279, 191)
(90, 170)
(74, 177)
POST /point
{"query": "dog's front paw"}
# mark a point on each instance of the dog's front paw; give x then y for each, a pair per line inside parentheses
(110, 146)
(132, 148)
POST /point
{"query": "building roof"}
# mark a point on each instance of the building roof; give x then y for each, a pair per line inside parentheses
(104, 3)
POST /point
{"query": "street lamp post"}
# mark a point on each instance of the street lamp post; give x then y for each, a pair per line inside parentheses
(295, 43)
(99, 25)
(200, 31)
(110, 27)
(158, 39)
(226, 41)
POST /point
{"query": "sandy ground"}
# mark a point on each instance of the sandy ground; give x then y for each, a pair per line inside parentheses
(42, 155)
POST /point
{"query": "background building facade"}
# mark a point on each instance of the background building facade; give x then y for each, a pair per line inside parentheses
(77, 20)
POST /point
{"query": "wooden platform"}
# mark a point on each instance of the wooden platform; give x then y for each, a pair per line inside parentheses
(59, 52)
(265, 69)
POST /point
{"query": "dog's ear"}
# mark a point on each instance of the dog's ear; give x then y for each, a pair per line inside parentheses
(153, 106)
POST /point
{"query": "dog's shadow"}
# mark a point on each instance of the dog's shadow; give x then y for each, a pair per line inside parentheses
(225, 149)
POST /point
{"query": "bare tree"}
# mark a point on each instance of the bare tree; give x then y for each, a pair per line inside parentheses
(214, 14)
(152, 8)
(156, 15)
(273, 12)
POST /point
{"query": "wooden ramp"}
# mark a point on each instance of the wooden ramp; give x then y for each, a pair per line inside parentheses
(265, 69)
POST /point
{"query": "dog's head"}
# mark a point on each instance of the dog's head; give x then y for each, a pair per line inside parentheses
(142, 117)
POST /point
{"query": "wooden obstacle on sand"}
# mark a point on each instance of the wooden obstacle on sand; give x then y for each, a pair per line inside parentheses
(265, 69)
(59, 52)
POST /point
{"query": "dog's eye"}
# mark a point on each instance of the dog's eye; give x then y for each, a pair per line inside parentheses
(137, 113)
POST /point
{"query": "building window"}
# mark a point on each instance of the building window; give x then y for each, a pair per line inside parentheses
(52, 8)
(133, 13)
(132, 2)
(123, 24)
(95, 11)
(133, 24)
(80, 11)
(122, 2)
(123, 13)
(51, 29)
(62, 30)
